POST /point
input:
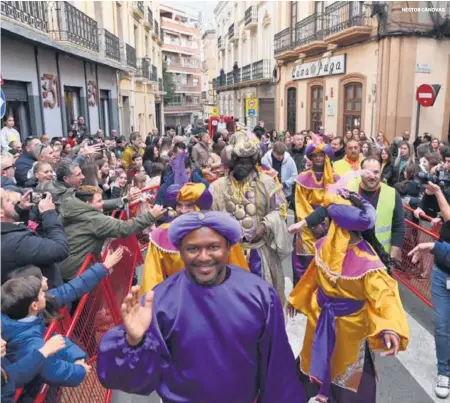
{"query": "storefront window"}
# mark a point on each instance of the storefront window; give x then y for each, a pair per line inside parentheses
(352, 106)
(72, 103)
(316, 108)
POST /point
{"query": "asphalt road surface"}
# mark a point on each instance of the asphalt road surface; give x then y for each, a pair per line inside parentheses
(407, 378)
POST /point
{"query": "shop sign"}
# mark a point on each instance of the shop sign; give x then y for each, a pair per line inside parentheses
(325, 67)
(251, 107)
(423, 68)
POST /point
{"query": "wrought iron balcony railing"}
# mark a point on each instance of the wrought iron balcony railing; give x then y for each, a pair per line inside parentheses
(150, 17)
(143, 68)
(140, 6)
(112, 46)
(261, 70)
(283, 41)
(251, 15)
(31, 13)
(131, 56)
(156, 28)
(341, 15)
(247, 73)
(231, 32)
(75, 26)
(309, 29)
(154, 76)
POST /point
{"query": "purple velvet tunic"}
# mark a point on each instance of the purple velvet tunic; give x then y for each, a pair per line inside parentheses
(220, 344)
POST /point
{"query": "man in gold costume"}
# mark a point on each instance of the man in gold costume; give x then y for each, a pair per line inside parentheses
(258, 203)
(352, 304)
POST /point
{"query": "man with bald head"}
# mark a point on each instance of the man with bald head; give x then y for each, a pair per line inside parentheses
(8, 167)
(351, 160)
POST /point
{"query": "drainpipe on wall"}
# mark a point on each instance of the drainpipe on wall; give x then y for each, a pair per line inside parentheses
(61, 99)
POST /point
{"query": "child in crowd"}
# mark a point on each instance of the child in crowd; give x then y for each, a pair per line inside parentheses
(27, 305)
(24, 370)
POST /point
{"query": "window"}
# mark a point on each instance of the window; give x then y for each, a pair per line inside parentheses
(195, 100)
(293, 19)
(291, 109)
(195, 82)
(319, 9)
(72, 103)
(352, 106)
(316, 108)
(146, 46)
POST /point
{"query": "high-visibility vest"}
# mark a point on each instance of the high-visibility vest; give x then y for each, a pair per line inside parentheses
(385, 212)
(341, 167)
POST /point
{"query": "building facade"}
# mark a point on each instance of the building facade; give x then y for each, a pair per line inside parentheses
(141, 89)
(63, 59)
(210, 72)
(181, 49)
(353, 64)
(244, 86)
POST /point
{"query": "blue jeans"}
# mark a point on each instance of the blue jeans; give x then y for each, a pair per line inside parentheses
(440, 297)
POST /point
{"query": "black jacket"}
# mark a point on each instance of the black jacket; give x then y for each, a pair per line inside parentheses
(8, 183)
(387, 173)
(338, 155)
(408, 188)
(21, 246)
(23, 164)
(297, 155)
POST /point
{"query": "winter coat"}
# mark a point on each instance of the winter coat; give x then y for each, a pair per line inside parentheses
(8, 183)
(23, 164)
(25, 336)
(87, 229)
(297, 155)
(387, 173)
(288, 171)
(21, 246)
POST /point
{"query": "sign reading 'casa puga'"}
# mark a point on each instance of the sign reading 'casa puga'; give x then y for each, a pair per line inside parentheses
(324, 67)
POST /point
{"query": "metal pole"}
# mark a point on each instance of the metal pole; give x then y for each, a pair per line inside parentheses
(417, 120)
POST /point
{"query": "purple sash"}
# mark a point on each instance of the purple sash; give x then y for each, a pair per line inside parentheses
(325, 337)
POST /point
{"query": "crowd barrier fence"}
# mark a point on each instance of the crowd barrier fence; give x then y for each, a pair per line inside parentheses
(97, 312)
(417, 276)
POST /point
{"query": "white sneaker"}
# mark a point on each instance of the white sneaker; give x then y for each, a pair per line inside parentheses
(442, 388)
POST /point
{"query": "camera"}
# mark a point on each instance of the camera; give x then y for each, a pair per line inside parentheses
(441, 178)
(36, 197)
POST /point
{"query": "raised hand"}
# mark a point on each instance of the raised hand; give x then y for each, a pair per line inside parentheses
(136, 318)
(157, 211)
(46, 204)
(112, 258)
(296, 227)
(55, 344)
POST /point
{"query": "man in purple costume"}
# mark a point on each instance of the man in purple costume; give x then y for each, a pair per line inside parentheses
(212, 333)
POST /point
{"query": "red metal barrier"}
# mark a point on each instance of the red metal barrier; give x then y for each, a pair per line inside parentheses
(417, 277)
(96, 313)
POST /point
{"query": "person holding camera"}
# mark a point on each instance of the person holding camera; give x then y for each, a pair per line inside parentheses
(22, 246)
(440, 290)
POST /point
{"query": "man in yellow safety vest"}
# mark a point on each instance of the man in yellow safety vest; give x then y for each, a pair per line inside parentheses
(351, 160)
(390, 227)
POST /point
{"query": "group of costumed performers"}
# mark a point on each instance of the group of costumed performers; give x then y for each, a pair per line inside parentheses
(309, 195)
(163, 259)
(258, 203)
(351, 302)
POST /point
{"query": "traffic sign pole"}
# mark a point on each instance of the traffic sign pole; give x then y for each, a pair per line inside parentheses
(417, 120)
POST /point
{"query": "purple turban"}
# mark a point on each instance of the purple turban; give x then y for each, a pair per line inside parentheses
(218, 221)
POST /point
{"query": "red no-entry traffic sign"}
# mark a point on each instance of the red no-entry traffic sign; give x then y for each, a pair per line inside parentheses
(426, 94)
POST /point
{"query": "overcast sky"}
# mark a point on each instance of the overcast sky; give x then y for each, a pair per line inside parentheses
(206, 7)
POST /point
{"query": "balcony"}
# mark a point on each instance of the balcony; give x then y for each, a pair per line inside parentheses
(251, 17)
(186, 68)
(255, 73)
(181, 106)
(160, 84)
(309, 35)
(143, 70)
(131, 56)
(233, 33)
(347, 22)
(109, 44)
(76, 27)
(261, 70)
(33, 14)
(138, 9)
(148, 23)
(155, 33)
(154, 76)
(220, 43)
(188, 87)
(283, 42)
